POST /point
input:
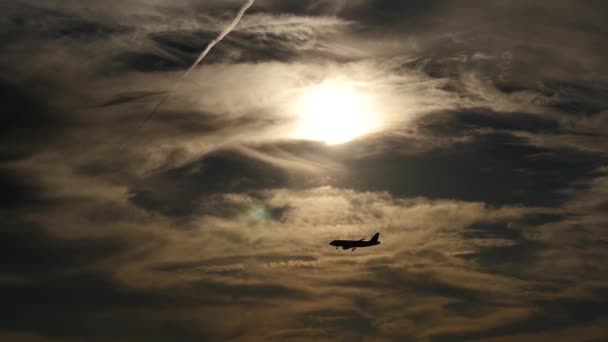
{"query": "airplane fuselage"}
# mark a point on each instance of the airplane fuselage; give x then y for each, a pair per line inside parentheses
(353, 244)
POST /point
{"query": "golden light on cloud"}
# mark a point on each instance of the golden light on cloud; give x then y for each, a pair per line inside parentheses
(334, 112)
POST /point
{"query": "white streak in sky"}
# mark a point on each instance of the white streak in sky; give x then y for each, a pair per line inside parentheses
(202, 56)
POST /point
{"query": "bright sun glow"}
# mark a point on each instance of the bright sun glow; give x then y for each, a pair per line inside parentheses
(333, 112)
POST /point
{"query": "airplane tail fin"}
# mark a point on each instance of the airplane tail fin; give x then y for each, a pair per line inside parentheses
(375, 237)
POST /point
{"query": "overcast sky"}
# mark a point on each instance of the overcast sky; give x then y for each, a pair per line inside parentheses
(473, 135)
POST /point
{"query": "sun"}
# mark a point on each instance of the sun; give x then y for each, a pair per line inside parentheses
(333, 112)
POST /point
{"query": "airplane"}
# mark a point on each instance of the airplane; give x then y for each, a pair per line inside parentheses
(353, 244)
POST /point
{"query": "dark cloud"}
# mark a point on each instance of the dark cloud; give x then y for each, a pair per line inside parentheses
(61, 307)
(578, 99)
(16, 192)
(495, 167)
(552, 313)
(148, 62)
(128, 97)
(501, 259)
(240, 47)
(468, 122)
(352, 323)
(178, 191)
(29, 249)
(27, 120)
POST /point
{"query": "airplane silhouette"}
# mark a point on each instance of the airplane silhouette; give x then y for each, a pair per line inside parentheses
(353, 244)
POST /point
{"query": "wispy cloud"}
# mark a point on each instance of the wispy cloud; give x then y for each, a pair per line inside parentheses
(202, 56)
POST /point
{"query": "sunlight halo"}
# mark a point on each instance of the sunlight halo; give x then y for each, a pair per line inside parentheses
(334, 112)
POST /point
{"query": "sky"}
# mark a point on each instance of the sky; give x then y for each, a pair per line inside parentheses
(472, 135)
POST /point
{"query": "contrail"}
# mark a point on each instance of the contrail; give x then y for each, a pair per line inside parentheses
(202, 56)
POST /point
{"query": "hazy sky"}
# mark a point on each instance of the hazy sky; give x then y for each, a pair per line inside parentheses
(473, 135)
